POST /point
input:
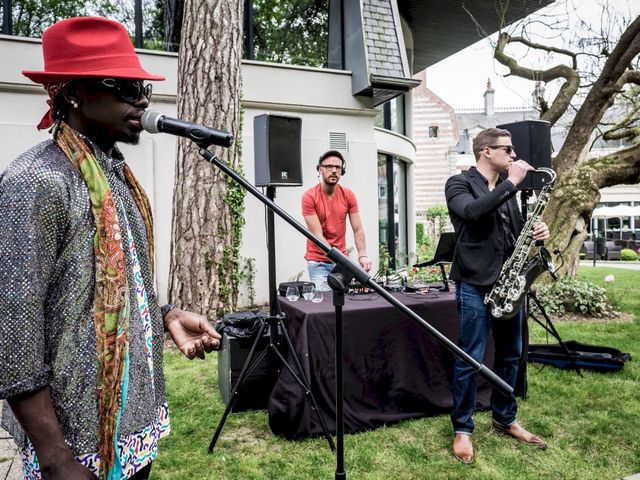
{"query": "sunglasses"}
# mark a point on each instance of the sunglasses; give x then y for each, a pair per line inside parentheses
(128, 91)
(507, 148)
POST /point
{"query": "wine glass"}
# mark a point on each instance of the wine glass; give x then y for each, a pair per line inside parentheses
(316, 295)
(293, 294)
(307, 291)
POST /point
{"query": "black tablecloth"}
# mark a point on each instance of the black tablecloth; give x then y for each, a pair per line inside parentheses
(393, 369)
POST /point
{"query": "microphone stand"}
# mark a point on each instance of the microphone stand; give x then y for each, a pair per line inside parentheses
(342, 275)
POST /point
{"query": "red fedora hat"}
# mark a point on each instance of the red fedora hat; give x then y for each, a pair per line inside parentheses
(85, 47)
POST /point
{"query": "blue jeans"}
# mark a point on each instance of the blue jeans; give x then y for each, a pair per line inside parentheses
(318, 272)
(476, 322)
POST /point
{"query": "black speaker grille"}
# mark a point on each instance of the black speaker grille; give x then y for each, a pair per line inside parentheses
(278, 150)
(532, 141)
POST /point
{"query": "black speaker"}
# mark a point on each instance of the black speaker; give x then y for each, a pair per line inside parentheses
(277, 144)
(256, 388)
(532, 141)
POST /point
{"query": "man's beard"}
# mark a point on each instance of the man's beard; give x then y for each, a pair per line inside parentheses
(129, 139)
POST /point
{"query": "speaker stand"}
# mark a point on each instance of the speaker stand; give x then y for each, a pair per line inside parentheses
(274, 324)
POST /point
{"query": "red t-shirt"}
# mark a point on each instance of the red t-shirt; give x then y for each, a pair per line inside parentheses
(332, 212)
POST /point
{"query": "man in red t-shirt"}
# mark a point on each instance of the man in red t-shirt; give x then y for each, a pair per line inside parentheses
(325, 208)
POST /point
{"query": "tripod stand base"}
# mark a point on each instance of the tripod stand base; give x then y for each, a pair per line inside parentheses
(271, 326)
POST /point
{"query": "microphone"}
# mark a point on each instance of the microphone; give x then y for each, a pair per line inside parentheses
(155, 122)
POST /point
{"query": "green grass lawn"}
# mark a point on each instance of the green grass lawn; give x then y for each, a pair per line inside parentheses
(592, 423)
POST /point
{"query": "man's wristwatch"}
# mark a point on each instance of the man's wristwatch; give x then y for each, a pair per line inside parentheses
(166, 308)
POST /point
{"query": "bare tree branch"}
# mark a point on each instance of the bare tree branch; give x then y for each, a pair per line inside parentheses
(630, 76)
(618, 168)
(546, 48)
(600, 97)
(568, 89)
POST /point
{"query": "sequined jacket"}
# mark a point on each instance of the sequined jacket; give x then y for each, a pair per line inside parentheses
(47, 270)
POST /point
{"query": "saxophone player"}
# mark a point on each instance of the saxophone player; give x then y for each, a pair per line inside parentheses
(485, 215)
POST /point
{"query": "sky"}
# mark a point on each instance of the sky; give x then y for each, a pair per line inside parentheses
(461, 79)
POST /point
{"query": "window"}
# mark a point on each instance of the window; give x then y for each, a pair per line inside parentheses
(392, 208)
(433, 131)
(396, 107)
(391, 115)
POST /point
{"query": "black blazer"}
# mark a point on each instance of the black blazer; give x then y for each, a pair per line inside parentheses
(473, 209)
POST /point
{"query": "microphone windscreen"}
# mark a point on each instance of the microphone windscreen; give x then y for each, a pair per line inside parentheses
(149, 121)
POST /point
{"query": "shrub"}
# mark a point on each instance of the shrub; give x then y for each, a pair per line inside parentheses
(420, 276)
(570, 295)
(419, 233)
(628, 255)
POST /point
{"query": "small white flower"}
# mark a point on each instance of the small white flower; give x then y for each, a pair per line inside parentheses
(609, 278)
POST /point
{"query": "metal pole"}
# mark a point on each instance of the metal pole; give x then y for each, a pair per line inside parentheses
(249, 53)
(338, 302)
(271, 252)
(138, 23)
(7, 20)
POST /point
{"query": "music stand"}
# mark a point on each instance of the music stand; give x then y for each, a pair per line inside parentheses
(442, 257)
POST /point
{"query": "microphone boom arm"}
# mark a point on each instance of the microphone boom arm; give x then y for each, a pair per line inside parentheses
(363, 277)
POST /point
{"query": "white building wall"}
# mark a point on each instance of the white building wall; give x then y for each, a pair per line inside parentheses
(322, 98)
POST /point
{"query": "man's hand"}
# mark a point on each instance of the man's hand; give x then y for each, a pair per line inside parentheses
(540, 231)
(365, 262)
(517, 171)
(192, 333)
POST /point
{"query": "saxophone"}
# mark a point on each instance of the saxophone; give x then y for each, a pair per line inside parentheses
(519, 272)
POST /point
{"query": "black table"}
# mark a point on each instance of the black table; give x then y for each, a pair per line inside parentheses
(393, 369)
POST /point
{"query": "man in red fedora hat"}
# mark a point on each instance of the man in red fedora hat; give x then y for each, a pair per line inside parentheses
(81, 332)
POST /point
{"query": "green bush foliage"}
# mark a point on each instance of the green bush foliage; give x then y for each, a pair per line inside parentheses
(628, 255)
(420, 276)
(419, 233)
(570, 295)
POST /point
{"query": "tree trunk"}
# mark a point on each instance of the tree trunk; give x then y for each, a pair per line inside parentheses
(568, 214)
(207, 207)
(577, 193)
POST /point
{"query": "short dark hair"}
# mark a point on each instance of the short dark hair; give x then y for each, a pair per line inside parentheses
(330, 153)
(488, 137)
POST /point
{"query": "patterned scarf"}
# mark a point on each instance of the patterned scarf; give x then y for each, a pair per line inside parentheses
(111, 299)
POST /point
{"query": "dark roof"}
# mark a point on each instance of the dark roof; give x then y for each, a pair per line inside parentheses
(441, 28)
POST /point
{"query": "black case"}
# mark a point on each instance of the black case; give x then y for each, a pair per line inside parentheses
(589, 357)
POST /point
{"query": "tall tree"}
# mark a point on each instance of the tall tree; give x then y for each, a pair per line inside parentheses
(30, 18)
(601, 73)
(284, 31)
(207, 207)
(291, 31)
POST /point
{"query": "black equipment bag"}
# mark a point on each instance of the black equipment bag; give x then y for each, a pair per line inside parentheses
(580, 355)
(239, 330)
(244, 324)
(282, 288)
